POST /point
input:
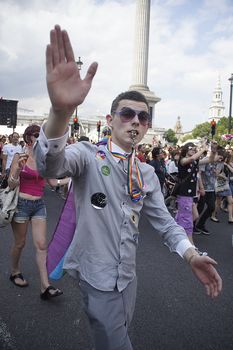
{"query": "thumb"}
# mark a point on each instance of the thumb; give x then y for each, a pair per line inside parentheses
(91, 72)
(211, 261)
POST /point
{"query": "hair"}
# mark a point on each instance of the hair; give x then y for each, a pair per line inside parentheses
(128, 95)
(28, 133)
(155, 152)
(83, 138)
(185, 148)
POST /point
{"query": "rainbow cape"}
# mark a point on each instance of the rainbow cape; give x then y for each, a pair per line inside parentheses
(62, 238)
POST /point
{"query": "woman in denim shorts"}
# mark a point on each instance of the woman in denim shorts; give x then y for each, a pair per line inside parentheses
(30, 208)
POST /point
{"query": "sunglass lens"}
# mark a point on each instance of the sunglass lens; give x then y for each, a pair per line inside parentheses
(127, 114)
(144, 118)
(36, 135)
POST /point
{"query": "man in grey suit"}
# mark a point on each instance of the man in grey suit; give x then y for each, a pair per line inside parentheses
(111, 188)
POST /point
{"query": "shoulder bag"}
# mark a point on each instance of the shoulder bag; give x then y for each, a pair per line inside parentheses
(8, 204)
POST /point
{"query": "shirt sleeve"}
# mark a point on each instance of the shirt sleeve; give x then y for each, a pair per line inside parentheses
(173, 235)
(55, 159)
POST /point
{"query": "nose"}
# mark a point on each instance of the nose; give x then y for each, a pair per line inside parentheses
(135, 120)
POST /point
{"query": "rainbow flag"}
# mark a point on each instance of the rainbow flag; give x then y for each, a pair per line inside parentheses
(62, 238)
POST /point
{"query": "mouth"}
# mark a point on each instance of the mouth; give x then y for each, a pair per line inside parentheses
(133, 133)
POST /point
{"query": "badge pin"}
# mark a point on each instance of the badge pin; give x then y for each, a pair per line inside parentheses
(105, 170)
(98, 200)
(100, 155)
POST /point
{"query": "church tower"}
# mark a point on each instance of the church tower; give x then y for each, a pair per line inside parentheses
(217, 109)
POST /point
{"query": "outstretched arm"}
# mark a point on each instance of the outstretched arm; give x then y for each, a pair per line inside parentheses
(204, 269)
(65, 87)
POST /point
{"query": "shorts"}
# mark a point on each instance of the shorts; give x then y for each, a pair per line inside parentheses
(224, 193)
(30, 210)
(184, 216)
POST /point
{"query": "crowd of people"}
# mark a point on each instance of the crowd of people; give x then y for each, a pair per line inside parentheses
(110, 188)
(205, 176)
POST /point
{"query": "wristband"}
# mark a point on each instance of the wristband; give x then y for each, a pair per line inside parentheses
(59, 182)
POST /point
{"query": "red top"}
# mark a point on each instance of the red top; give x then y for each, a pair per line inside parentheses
(141, 157)
(31, 182)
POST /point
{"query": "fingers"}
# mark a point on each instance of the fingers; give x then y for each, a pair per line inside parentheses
(214, 287)
(54, 45)
(60, 45)
(49, 60)
(91, 72)
(68, 50)
(61, 49)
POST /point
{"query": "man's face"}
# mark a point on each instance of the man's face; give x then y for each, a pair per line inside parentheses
(15, 138)
(122, 131)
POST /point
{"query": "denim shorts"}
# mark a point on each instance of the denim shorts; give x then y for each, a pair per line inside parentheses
(30, 209)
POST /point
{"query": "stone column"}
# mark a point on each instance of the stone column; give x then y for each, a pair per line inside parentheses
(141, 51)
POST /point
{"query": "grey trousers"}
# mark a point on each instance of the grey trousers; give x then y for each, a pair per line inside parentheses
(110, 314)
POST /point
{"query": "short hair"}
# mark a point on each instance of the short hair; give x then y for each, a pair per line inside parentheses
(83, 138)
(29, 131)
(128, 95)
(156, 151)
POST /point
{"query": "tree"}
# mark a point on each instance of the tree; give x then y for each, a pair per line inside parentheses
(170, 136)
(201, 130)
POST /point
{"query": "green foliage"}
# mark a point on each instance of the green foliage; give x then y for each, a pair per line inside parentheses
(186, 137)
(201, 130)
(170, 136)
(204, 131)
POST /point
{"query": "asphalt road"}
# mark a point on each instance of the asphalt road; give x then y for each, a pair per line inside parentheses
(172, 310)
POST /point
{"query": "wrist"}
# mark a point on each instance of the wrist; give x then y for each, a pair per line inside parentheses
(189, 254)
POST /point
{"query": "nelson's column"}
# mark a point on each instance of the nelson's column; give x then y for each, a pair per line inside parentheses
(141, 50)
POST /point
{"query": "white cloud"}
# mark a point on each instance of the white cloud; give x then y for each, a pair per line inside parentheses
(189, 47)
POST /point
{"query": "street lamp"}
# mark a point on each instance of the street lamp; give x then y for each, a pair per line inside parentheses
(229, 118)
(79, 63)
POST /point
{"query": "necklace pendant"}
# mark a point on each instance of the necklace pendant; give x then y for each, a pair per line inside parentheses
(136, 196)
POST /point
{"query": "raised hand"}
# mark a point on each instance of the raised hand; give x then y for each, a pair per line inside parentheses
(203, 268)
(65, 87)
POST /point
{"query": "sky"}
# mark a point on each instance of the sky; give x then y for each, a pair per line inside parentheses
(191, 44)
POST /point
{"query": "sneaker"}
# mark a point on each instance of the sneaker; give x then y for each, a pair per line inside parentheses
(196, 231)
(203, 230)
(214, 219)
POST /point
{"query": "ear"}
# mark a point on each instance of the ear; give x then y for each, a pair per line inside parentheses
(109, 120)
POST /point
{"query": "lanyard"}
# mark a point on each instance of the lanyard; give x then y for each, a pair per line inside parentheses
(134, 194)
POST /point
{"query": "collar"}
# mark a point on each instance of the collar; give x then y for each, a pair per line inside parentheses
(118, 149)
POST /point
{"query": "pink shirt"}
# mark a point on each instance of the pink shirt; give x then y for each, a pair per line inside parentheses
(31, 182)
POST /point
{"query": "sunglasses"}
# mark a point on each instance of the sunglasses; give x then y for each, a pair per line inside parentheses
(191, 148)
(127, 114)
(36, 135)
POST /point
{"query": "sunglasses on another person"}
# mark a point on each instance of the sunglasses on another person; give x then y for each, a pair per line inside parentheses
(127, 114)
(191, 148)
(36, 135)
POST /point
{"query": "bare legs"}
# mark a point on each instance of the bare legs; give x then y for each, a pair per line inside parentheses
(39, 240)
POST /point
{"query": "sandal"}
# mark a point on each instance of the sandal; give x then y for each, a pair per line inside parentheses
(20, 276)
(47, 295)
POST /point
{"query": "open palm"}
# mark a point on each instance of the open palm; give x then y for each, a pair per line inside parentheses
(66, 89)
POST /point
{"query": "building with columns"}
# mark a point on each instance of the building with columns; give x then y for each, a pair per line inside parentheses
(217, 109)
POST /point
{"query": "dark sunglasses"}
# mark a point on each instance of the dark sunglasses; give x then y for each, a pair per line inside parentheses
(191, 148)
(127, 114)
(36, 135)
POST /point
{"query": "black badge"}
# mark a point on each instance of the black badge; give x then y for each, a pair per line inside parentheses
(98, 200)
